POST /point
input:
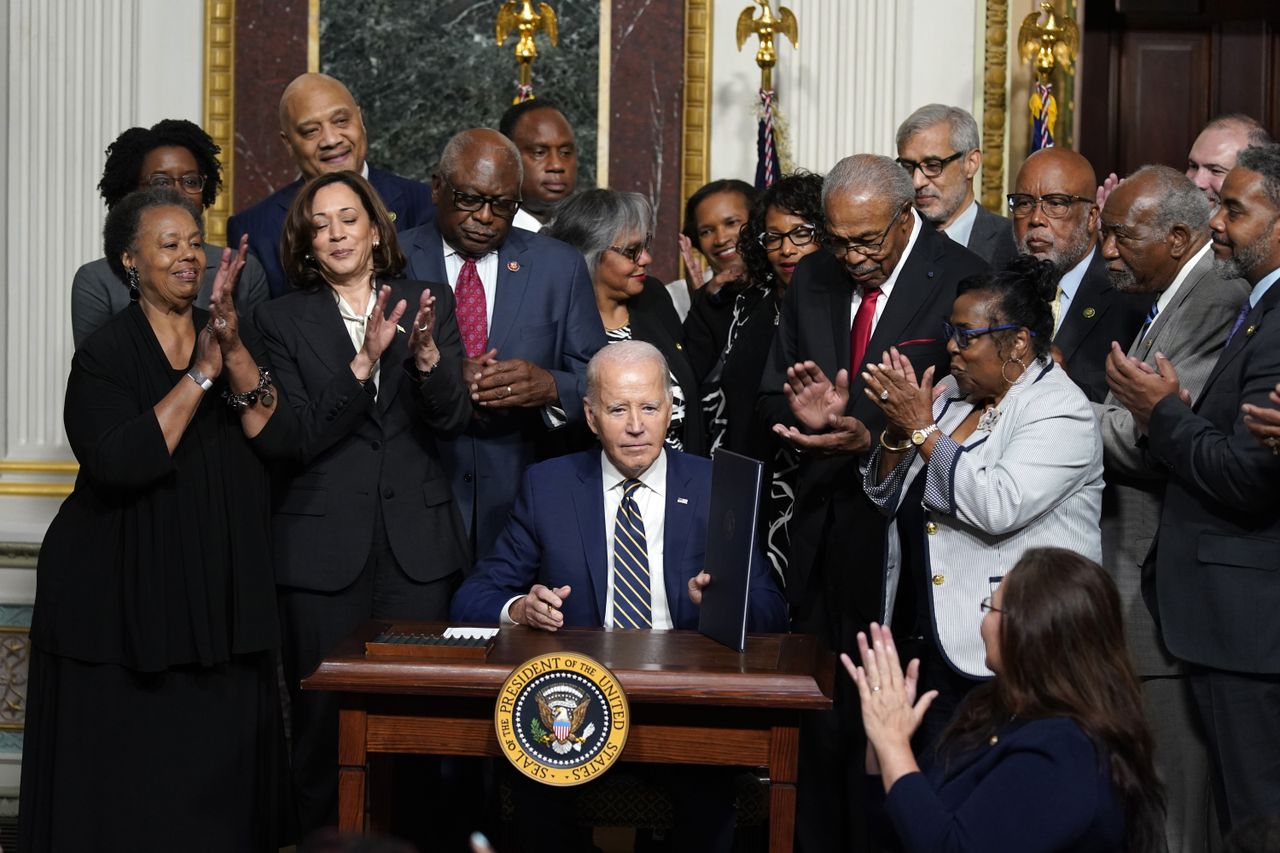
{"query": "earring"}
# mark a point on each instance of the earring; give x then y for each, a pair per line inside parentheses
(134, 291)
(375, 244)
(1008, 362)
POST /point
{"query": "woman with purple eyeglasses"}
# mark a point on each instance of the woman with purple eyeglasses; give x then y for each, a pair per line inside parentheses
(1001, 456)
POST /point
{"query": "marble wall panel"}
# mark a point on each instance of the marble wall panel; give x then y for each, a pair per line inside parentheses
(646, 73)
(422, 71)
(271, 49)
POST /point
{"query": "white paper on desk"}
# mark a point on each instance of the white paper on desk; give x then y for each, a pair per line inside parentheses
(470, 633)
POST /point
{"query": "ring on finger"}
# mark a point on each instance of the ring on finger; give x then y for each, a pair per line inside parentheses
(875, 688)
(423, 328)
(508, 394)
(884, 395)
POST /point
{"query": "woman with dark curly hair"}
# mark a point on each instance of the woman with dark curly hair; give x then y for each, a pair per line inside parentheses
(781, 229)
(1053, 753)
(172, 154)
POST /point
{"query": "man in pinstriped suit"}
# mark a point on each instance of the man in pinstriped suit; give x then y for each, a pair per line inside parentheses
(1155, 240)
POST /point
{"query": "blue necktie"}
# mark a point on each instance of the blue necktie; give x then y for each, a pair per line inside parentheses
(1151, 318)
(632, 599)
(1244, 312)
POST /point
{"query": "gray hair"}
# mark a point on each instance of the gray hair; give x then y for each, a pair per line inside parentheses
(869, 174)
(1265, 160)
(964, 130)
(1174, 199)
(624, 354)
(592, 220)
(462, 142)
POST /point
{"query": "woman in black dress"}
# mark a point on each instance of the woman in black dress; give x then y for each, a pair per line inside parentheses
(612, 229)
(781, 229)
(153, 722)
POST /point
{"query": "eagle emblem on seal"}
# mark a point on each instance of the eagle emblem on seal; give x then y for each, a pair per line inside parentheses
(562, 711)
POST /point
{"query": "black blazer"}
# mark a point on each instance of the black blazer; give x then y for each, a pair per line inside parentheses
(407, 201)
(831, 511)
(357, 452)
(992, 239)
(1216, 588)
(1098, 314)
(654, 320)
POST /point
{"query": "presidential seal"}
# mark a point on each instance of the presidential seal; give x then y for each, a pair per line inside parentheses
(561, 719)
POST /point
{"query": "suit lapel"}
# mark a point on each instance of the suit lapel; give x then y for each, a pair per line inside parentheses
(428, 248)
(513, 280)
(1243, 335)
(676, 536)
(1087, 307)
(321, 326)
(392, 198)
(588, 505)
(1145, 348)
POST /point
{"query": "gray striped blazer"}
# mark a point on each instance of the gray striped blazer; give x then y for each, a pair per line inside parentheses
(1033, 480)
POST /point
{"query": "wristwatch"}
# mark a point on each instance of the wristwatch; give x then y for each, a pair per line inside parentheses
(920, 436)
(200, 379)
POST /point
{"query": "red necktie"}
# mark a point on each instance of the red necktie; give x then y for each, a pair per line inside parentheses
(473, 320)
(860, 336)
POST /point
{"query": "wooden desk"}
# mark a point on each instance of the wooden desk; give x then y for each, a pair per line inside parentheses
(692, 701)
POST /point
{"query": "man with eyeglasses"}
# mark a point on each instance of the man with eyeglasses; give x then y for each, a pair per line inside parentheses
(939, 147)
(527, 313)
(324, 131)
(1055, 218)
(885, 279)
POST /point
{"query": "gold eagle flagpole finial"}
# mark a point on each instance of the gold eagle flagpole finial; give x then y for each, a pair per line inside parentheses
(765, 27)
(1055, 42)
(520, 16)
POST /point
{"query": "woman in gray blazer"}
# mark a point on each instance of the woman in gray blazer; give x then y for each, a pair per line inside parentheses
(172, 154)
(1001, 456)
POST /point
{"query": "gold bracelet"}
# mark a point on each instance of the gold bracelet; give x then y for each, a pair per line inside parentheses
(895, 448)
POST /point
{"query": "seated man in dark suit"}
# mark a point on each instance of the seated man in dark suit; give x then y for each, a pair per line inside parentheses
(324, 131)
(885, 278)
(1055, 218)
(940, 148)
(529, 324)
(633, 560)
(541, 574)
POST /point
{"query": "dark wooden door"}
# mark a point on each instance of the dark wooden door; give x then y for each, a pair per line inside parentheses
(1154, 72)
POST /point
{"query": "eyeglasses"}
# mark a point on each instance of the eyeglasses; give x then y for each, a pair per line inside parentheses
(840, 247)
(189, 183)
(963, 337)
(986, 607)
(930, 167)
(634, 251)
(1054, 205)
(470, 203)
(801, 235)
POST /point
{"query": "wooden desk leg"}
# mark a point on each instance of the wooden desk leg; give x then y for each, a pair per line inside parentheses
(353, 769)
(784, 756)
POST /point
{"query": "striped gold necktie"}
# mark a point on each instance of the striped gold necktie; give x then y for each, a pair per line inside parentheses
(632, 599)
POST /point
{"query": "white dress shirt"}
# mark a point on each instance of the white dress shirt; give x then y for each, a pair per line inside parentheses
(1172, 290)
(886, 289)
(1069, 284)
(486, 266)
(962, 229)
(526, 220)
(357, 325)
(651, 498)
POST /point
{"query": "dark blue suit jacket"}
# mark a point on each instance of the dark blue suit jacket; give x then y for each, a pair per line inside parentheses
(408, 202)
(544, 312)
(1041, 787)
(555, 536)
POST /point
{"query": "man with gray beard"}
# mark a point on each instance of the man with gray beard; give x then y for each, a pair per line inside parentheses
(1155, 241)
(1055, 219)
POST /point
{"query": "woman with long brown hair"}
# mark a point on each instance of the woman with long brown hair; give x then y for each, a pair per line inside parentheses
(1052, 754)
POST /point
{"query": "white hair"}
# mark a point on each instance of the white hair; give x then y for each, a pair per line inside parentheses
(624, 354)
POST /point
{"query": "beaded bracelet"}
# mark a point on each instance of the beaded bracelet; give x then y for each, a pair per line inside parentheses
(240, 402)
